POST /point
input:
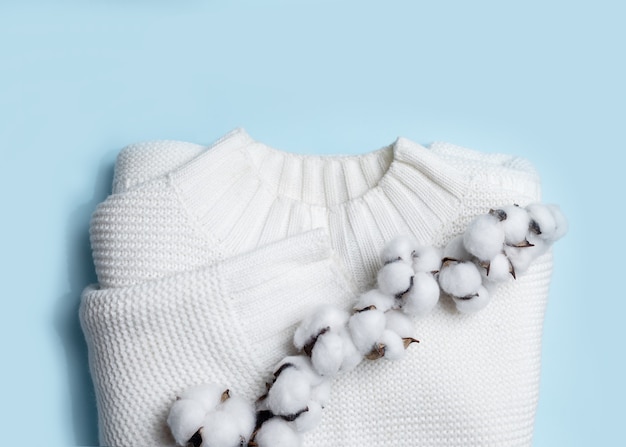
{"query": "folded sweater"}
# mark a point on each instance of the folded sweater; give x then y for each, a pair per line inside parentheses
(472, 381)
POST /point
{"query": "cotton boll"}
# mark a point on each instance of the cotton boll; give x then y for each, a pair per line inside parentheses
(515, 225)
(277, 433)
(499, 269)
(474, 304)
(399, 248)
(351, 355)
(309, 419)
(561, 222)
(484, 237)
(423, 296)
(456, 250)
(393, 345)
(328, 354)
(376, 298)
(365, 329)
(289, 393)
(207, 394)
(242, 412)
(324, 317)
(185, 418)
(394, 279)
(399, 323)
(520, 258)
(321, 392)
(459, 279)
(426, 259)
(303, 364)
(220, 429)
(542, 221)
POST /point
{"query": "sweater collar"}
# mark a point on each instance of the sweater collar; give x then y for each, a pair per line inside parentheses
(245, 194)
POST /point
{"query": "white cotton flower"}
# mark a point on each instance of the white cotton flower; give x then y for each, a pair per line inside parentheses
(426, 259)
(399, 323)
(309, 419)
(539, 245)
(521, 258)
(423, 296)
(321, 392)
(277, 433)
(289, 393)
(392, 344)
(542, 221)
(323, 318)
(475, 303)
(375, 297)
(399, 248)
(328, 354)
(515, 225)
(186, 416)
(459, 279)
(561, 222)
(394, 279)
(456, 250)
(365, 329)
(242, 412)
(303, 364)
(351, 355)
(219, 430)
(499, 269)
(208, 395)
(484, 236)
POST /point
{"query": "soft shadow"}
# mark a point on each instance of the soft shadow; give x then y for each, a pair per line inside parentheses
(80, 273)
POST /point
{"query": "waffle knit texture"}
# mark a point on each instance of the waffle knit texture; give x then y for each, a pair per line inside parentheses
(163, 317)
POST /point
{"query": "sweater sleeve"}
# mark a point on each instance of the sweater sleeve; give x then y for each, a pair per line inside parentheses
(227, 322)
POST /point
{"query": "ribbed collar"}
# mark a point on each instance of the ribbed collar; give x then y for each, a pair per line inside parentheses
(324, 180)
(243, 194)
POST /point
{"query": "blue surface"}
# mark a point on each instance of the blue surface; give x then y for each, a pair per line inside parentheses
(81, 79)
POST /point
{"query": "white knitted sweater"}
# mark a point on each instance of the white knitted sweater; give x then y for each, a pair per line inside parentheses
(204, 270)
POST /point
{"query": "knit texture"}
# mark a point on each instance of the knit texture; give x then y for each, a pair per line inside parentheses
(228, 322)
(138, 163)
(473, 380)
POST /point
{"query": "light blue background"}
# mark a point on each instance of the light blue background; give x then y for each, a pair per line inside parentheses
(81, 79)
